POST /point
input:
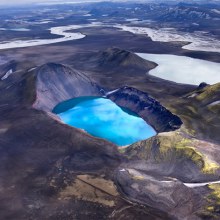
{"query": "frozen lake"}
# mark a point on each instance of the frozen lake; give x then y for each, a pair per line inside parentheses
(61, 31)
(197, 41)
(183, 69)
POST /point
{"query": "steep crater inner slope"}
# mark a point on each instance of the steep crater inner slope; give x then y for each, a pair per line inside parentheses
(146, 107)
(56, 83)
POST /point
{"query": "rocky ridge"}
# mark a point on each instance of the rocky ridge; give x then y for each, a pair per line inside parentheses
(146, 107)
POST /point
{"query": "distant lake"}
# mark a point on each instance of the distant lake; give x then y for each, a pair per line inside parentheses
(14, 29)
(102, 118)
(182, 69)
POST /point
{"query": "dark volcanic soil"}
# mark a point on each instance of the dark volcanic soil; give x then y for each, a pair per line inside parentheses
(42, 160)
(50, 170)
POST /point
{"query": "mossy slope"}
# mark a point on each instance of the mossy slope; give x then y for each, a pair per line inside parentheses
(175, 149)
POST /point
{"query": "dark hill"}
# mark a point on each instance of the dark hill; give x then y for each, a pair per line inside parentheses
(117, 57)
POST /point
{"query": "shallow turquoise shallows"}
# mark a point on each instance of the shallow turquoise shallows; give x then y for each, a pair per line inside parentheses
(102, 118)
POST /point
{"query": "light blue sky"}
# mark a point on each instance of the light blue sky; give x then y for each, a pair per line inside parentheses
(14, 2)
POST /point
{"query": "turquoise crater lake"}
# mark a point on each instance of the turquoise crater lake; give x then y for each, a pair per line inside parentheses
(102, 118)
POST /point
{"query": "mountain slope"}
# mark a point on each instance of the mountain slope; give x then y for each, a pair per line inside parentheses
(56, 83)
(117, 57)
(114, 59)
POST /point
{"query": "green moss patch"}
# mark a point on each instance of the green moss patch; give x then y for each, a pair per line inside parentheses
(169, 146)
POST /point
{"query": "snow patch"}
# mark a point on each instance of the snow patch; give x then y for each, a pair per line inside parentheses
(132, 19)
(193, 185)
(87, 15)
(7, 74)
(111, 92)
(197, 41)
(214, 103)
(193, 95)
(31, 69)
(216, 11)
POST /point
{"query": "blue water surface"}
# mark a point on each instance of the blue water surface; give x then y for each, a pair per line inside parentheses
(102, 118)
